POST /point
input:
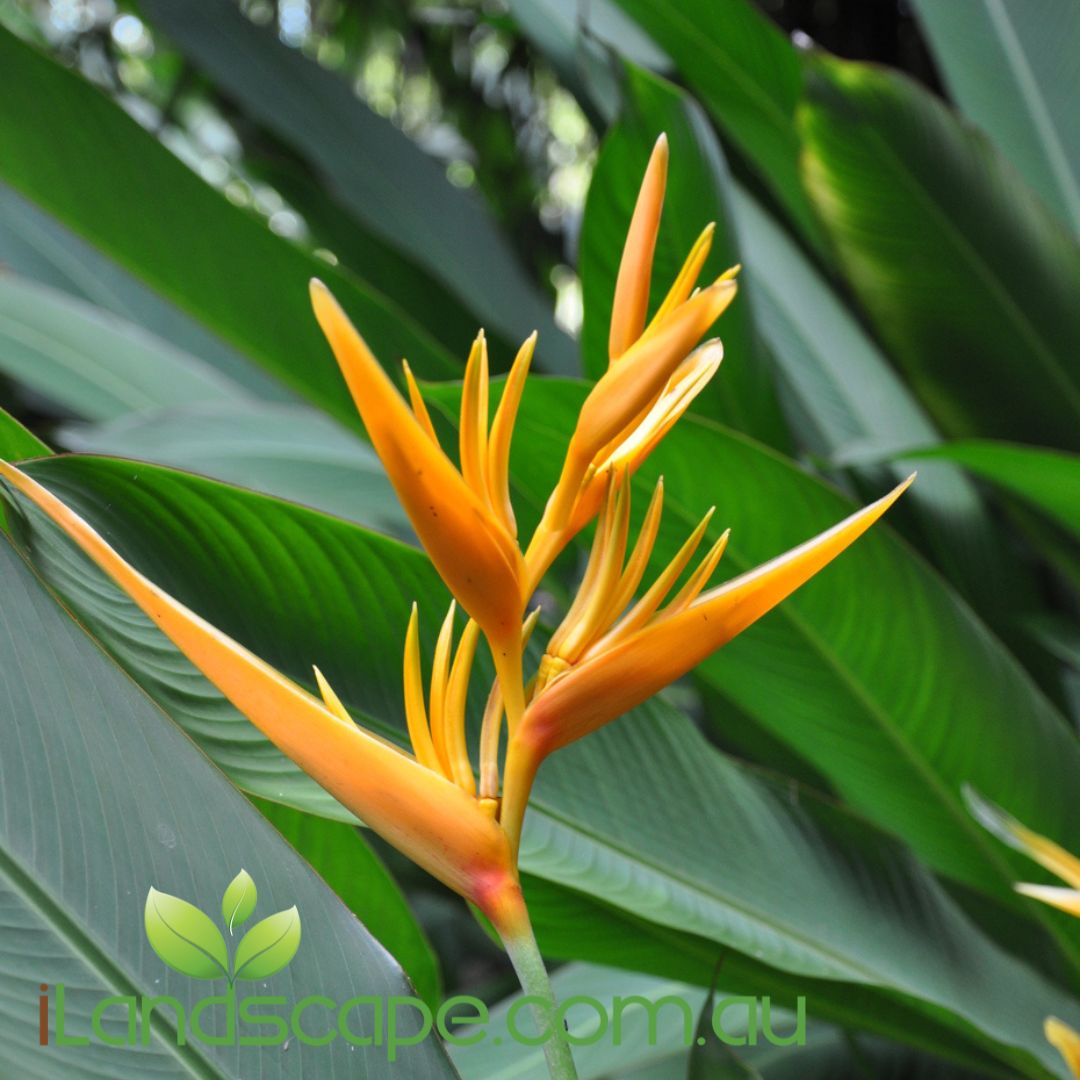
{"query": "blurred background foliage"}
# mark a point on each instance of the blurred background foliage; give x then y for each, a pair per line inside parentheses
(907, 222)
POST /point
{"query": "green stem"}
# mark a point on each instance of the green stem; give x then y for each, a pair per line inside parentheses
(533, 976)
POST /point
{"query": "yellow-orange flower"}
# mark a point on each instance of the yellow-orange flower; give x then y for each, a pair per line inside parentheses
(1059, 862)
(652, 378)
(604, 662)
(423, 805)
(463, 518)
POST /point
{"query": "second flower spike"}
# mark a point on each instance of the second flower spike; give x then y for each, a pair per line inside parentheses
(462, 517)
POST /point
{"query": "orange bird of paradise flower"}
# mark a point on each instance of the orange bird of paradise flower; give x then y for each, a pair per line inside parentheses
(613, 649)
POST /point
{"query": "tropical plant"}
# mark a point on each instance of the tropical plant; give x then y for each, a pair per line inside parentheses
(783, 817)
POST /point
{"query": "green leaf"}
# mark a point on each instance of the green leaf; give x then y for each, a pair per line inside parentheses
(341, 856)
(95, 365)
(39, 248)
(1046, 479)
(185, 937)
(580, 42)
(741, 394)
(268, 946)
(847, 404)
(104, 798)
(966, 276)
(16, 442)
(1010, 69)
(202, 253)
(291, 451)
(748, 75)
(796, 900)
(239, 901)
(373, 170)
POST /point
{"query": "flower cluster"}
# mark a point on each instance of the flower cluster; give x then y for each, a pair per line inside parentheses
(618, 643)
(1062, 865)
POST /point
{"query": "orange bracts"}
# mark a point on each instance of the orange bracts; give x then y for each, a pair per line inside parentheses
(600, 665)
(403, 799)
(1061, 864)
(461, 517)
(651, 380)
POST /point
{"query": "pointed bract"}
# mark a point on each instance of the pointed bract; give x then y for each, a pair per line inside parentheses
(631, 301)
(474, 554)
(612, 682)
(406, 803)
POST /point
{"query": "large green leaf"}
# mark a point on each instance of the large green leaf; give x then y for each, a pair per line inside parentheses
(341, 856)
(748, 75)
(375, 171)
(178, 235)
(96, 365)
(742, 393)
(848, 404)
(1047, 479)
(105, 798)
(39, 248)
(970, 282)
(785, 892)
(1011, 68)
(291, 451)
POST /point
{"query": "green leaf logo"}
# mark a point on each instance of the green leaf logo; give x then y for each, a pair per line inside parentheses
(189, 942)
(184, 937)
(268, 946)
(239, 900)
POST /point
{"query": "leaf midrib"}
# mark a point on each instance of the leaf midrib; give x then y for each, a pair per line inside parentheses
(112, 976)
(964, 248)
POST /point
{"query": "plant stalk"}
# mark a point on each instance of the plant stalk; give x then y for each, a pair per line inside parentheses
(532, 974)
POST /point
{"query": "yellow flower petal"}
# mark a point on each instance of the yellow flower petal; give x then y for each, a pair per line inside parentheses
(415, 711)
(473, 430)
(416, 400)
(502, 428)
(440, 676)
(1065, 1041)
(1067, 900)
(1006, 828)
(684, 283)
(330, 699)
(650, 602)
(474, 554)
(631, 301)
(457, 750)
(419, 812)
(698, 579)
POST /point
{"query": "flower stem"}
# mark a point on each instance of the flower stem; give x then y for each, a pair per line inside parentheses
(529, 965)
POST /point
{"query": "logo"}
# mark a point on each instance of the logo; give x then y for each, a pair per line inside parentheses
(189, 941)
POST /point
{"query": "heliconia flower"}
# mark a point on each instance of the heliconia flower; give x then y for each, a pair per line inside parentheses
(604, 665)
(651, 379)
(1062, 864)
(421, 804)
(1065, 1040)
(1045, 852)
(463, 518)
